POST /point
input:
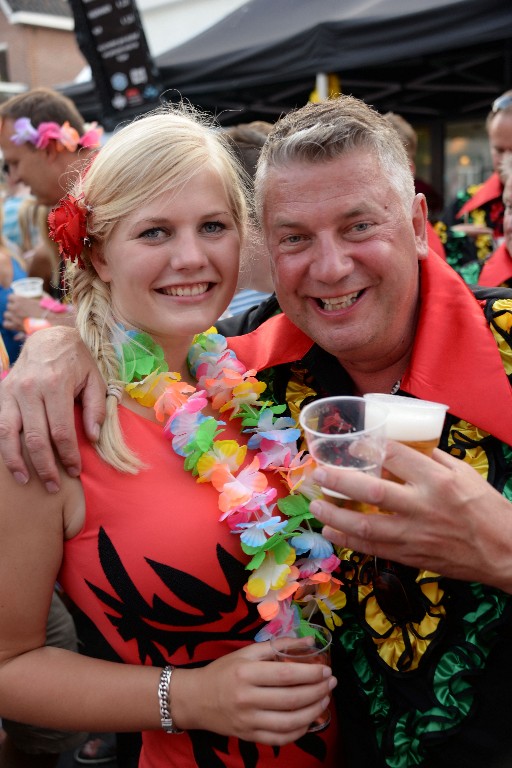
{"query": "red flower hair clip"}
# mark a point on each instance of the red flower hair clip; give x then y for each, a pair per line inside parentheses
(67, 224)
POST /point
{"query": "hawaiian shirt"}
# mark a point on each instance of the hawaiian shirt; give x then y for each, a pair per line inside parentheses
(481, 205)
(424, 662)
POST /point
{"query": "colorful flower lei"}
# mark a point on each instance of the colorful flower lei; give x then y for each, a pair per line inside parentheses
(291, 563)
(67, 226)
(65, 136)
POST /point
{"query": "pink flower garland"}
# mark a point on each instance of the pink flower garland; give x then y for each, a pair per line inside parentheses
(291, 563)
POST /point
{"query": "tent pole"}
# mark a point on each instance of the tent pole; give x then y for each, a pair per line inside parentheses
(322, 86)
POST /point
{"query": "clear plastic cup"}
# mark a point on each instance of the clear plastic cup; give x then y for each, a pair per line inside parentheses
(29, 287)
(316, 650)
(416, 423)
(346, 433)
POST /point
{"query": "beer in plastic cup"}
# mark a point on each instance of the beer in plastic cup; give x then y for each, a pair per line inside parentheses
(416, 423)
(29, 287)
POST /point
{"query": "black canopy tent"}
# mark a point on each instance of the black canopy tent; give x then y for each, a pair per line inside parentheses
(428, 59)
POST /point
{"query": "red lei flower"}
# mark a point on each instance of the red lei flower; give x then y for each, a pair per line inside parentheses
(68, 228)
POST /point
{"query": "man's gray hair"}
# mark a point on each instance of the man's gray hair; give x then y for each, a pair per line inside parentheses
(317, 133)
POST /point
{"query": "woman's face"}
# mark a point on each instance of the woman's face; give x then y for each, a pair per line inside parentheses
(172, 264)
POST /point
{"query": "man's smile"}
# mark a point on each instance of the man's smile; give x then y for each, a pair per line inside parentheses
(339, 302)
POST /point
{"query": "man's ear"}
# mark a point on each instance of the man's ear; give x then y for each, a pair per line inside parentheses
(51, 152)
(419, 221)
(99, 264)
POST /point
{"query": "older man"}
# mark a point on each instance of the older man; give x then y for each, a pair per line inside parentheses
(497, 270)
(423, 659)
(473, 223)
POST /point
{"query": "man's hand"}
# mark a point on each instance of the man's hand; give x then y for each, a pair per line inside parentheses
(37, 397)
(445, 518)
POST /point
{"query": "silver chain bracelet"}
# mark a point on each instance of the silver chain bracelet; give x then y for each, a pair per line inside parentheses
(164, 699)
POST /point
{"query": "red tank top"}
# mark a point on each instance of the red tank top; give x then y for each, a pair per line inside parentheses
(162, 579)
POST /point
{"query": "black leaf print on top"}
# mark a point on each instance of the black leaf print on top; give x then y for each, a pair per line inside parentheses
(207, 599)
(159, 624)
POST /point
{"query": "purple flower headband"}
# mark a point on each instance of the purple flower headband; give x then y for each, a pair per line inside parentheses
(65, 136)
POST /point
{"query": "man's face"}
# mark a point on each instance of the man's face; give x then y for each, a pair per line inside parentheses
(30, 166)
(345, 256)
(500, 137)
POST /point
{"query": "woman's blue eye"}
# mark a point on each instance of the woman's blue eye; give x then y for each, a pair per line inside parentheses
(210, 227)
(151, 234)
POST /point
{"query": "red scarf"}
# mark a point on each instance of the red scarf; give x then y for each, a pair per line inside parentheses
(490, 190)
(498, 268)
(455, 358)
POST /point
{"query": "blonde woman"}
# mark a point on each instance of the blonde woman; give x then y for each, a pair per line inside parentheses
(153, 230)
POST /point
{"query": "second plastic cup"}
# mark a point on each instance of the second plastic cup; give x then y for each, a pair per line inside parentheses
(416, 423)
(316, 651)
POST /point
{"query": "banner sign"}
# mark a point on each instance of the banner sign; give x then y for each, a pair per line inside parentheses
(110, 36)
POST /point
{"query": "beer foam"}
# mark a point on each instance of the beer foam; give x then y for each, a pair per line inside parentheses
(410, 419)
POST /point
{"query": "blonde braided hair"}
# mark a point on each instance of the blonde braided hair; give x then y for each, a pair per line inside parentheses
(96, 325)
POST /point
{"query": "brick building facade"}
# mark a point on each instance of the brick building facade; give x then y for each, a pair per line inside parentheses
(37, 45)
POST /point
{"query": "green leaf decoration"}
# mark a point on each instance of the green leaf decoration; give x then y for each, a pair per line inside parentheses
(295, 505)
(191, 461)
(281, 551)
(249, 421)
(295, 522)
(251, 550)
(276, 544)
(273, 540)
(206, 433)
(250, 412)
(307, 630)
(255, 562)
(252, 420)
(201, 442)
(140, 357)
(127, 363)
(270, 543)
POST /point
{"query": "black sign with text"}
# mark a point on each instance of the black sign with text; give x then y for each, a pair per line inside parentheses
(110, 36)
